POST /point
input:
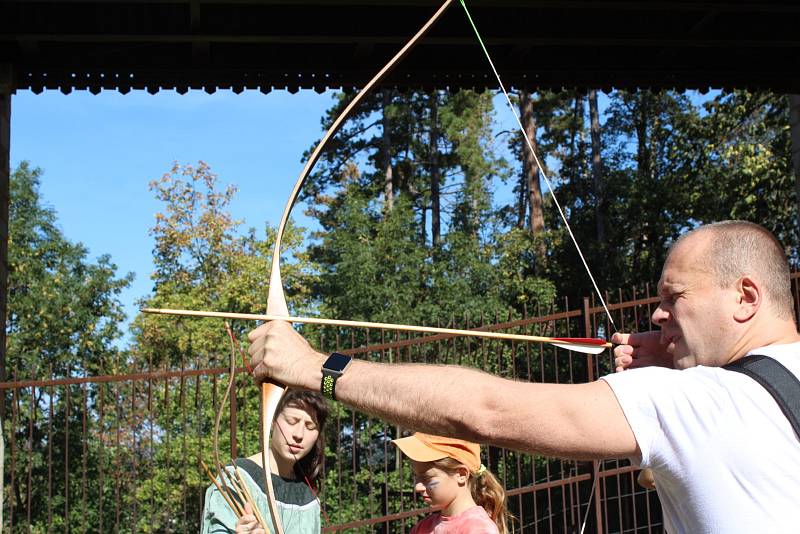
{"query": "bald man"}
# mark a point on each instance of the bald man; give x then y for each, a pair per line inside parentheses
(724, 456)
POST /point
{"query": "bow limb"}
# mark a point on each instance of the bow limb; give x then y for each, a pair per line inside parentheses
(271, 393)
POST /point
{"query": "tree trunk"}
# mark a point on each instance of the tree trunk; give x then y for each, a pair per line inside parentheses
(642, 120)
(530, 170)
(522, 203)
(794, 125)
(597, 167)
(435, 172)
(388, 183)
(643, 171)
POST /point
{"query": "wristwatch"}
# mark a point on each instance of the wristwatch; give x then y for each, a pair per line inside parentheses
(332, 369)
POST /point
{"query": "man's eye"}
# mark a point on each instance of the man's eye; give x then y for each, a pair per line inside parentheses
(311, 427)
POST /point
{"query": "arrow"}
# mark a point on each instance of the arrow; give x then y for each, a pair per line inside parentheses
(586, 345)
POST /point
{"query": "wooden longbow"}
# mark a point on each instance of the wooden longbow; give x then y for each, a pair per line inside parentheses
(277, 309)
(272, 392)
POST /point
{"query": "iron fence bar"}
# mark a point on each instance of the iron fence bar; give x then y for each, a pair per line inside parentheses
(67, 395)
(13, 490)
(197, 409)
(134, 465)
(168, 416)
(354, 430)
(558, 483)
(385, 504)
(116, 378)
(85, 444)
(101, 455)
(510, 493)
(587, 325)
(338, 345)
(29, 447)
(184, 469)
(117, 463)
(50, 455)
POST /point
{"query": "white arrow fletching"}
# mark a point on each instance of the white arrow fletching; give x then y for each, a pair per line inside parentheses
(580, 347)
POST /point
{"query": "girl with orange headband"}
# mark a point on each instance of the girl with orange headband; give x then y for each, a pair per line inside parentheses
(450, 477)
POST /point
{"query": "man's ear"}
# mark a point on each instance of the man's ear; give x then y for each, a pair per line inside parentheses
(750, 297)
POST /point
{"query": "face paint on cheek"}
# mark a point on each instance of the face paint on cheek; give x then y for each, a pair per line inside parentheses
(431, 486)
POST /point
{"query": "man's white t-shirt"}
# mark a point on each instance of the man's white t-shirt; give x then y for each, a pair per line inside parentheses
(723, 454)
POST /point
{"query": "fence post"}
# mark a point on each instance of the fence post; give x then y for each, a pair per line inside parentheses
(589, 332)
(6, 89)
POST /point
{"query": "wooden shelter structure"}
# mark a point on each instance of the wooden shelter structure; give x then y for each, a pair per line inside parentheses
(270, 45)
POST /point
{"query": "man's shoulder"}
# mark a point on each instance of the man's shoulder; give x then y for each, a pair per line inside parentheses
(778, 350)
(642, 375)
(786, 353)
(665, 384)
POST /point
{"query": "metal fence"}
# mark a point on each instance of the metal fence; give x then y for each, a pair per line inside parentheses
(120, 453)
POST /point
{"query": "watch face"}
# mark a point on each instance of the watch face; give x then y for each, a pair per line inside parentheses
(337, 362)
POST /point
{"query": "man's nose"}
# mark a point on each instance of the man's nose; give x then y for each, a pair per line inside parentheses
(659, 316)
(419, 487)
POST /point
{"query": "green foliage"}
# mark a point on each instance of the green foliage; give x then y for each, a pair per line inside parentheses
(203, 262)
(63, 309)
(63, 320)
(746, 154)
(670, 161)
(376, 262)
(409, 231)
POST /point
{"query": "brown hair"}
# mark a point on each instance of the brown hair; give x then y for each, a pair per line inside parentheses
(309, 466)
(486, 490)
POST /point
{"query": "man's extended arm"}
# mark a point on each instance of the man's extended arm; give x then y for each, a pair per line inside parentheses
(571, 421)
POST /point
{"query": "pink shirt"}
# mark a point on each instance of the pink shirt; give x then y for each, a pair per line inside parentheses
(472, 521)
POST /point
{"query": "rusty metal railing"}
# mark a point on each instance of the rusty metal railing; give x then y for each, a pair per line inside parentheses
(120, 453)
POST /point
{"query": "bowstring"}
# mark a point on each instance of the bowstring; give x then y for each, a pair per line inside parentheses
(591, 495)
(305, 476)
(555, 201)
(539, 164)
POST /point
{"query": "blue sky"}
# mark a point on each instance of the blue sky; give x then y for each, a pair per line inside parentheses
(99, 152)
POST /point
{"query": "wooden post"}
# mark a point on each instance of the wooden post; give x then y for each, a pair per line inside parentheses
(6, 88)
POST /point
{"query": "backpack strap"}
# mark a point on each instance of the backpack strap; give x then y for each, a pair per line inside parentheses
(781, 383)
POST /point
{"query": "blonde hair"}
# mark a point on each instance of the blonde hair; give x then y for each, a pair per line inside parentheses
(486, 490)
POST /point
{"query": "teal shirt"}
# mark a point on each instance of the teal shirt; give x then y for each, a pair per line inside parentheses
(297, 507)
